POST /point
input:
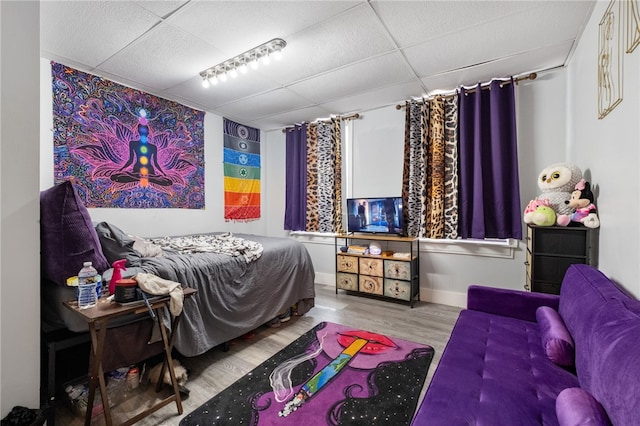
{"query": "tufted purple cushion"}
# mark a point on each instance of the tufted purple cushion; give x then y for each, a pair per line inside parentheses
(576, 407)
(67, 236)
(612, 373)
(554, 336)
(493, 372)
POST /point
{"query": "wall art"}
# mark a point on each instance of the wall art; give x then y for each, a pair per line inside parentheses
(610, 57)
(123, 147)
(633, 24)
(241, 172)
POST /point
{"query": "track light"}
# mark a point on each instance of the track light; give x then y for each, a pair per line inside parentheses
(243, 67)
(230, 67)
(253, 62)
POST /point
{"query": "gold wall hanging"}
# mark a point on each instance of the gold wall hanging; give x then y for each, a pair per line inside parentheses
(609, 60)
(633, 24)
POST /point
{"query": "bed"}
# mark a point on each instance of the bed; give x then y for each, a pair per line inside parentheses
(235, 294)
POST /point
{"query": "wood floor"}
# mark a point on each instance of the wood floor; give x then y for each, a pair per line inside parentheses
(213, 371)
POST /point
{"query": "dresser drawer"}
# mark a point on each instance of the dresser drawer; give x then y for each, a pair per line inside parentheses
(347, 281)
(347, 263)
(372, 285)
(397, 289)
(397, 269)
(373, 267)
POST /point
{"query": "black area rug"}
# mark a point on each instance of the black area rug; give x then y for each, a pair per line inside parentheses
(331, 375)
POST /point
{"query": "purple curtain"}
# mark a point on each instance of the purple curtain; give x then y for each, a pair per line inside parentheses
(296, 179)
(489, 185)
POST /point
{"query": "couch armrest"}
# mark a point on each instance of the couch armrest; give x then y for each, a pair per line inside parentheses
(509, 303)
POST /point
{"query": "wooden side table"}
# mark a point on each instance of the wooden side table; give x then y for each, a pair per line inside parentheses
(97, 318)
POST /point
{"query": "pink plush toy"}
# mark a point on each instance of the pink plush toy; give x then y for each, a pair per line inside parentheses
(539, 212)
(532, 206)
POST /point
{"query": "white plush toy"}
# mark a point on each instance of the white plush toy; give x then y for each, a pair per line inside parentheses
(557, 182)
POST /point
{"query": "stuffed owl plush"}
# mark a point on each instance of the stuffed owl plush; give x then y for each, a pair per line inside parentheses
(557, 182)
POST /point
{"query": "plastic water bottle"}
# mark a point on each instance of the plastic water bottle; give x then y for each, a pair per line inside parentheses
(88, 283)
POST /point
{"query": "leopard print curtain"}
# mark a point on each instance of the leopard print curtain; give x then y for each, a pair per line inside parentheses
(313, 218)
(435, 170)
(336, 124)
(324, 177)
(451, 168)
(413, 175)
(430, 176)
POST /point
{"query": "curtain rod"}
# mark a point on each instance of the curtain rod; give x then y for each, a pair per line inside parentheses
(484, 86)
(339, 117)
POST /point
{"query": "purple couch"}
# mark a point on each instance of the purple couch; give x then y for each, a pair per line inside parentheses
(509, 363)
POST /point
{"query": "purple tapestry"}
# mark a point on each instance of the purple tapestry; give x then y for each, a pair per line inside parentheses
(124, 147)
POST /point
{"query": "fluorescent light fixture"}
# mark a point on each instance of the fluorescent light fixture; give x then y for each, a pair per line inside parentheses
(231, 66)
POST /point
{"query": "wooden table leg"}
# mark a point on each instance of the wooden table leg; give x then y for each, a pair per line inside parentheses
(168, 363)
(97, 346)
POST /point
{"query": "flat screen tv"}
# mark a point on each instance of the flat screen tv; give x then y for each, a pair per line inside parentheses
(375, 215)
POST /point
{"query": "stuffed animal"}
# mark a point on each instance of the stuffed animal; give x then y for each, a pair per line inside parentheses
(531, 208)
(556, 182)
(539, 213)
(581, 202)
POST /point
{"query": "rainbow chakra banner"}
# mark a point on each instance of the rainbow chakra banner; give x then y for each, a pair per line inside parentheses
(123, 147)
(241, 172)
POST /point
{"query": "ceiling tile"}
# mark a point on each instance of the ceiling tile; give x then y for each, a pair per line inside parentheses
(412, 22)
(487, 42)
(355, 79)
(375, 98)
(161, 8)
(90, 32)
(538, 60)
(237, 26)
(350, 37)
(293, 117)
(223, 92)
(266, 104)
(164, 57)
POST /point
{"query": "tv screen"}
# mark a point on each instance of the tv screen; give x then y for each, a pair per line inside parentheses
(375, 215)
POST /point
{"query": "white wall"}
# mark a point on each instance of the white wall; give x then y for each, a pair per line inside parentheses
(19, 206)
(608, 150)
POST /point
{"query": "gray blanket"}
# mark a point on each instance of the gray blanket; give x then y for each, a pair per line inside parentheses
(235, 297)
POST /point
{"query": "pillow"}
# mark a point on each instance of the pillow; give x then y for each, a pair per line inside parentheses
(555, 338)
(576, 407)
(116, 244)
(67, 236)
(146, 248)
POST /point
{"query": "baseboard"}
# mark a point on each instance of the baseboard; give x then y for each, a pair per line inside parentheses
(444, 297)
(426, 295)
(325, 279)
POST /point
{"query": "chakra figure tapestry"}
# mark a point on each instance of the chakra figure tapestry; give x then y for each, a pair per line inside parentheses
(241, 172)
(124, 147)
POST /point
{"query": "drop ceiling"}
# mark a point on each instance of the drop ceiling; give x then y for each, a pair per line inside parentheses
(341, 56)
